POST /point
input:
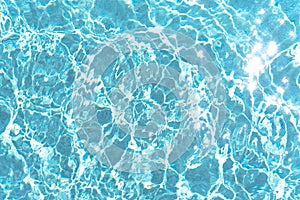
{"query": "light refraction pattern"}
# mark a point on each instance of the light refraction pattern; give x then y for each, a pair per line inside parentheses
(149, 99)
(145, 97)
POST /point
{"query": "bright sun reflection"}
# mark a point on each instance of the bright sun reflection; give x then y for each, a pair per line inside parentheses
(257, 58)
(272, 48)
(252, 86)
(257, 47)
(262, 11)
(254, 67)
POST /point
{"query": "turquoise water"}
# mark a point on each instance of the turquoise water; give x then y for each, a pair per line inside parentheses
(127, 99)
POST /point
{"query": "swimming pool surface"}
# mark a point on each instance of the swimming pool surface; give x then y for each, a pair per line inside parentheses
(150, 99)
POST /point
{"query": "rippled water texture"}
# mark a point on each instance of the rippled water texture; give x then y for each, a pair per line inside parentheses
(145, 97)
(149, 99)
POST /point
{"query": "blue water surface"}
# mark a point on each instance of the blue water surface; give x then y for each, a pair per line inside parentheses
(68, 84)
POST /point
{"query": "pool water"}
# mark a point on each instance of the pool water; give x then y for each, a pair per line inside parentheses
(149, 99)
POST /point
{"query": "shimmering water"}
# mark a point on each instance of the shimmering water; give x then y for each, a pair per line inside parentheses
(170, 99)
